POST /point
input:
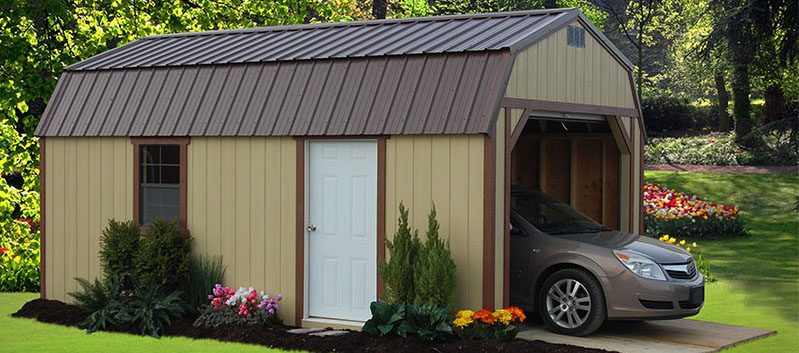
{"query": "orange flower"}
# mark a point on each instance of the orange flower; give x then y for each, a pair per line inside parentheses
(518, 314)
(484, 316)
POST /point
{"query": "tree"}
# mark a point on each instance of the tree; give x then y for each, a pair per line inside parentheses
(435, 277)
(397, 272)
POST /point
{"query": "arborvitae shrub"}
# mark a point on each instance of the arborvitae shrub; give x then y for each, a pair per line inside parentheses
(163, 257)
(397, 273)
(434, 271)
(118, 247)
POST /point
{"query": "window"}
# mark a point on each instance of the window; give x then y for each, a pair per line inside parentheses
(576, 37)
(160, 180)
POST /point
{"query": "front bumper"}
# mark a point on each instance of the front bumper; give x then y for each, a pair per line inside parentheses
(631, 297)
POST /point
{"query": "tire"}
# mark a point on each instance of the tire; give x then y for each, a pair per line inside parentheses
(576, 315)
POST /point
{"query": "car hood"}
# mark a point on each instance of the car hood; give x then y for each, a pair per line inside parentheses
(659, 251)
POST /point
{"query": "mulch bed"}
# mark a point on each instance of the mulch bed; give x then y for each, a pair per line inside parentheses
(56, 312)
(737, 169)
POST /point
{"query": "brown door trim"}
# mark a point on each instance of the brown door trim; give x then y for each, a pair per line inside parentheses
(299, 257)
(489, 220)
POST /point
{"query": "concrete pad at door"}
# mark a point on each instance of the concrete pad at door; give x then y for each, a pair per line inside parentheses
(685, 336)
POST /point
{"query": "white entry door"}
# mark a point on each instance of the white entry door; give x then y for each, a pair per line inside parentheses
(342, 229)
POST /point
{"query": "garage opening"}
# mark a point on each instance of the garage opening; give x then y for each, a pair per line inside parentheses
(573, 158)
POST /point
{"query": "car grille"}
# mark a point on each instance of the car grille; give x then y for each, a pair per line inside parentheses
(656, 304)
(681, 271)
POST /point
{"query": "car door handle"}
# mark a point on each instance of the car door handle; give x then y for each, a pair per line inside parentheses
(311, 228)
(536, 251)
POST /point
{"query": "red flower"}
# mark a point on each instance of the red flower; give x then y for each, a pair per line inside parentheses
(485, 316)
(2, 250)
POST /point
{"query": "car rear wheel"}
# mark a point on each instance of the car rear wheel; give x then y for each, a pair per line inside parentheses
(571, 302)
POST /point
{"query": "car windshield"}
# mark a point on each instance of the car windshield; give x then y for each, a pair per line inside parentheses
(550, 215)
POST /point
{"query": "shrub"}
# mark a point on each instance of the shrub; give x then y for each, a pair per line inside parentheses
(118, 247)
(203, 273)
(434, 271)
(244, 306)
(666, 114)
(397, 273)
(502, 324)
(111, 304)
(667, 211)
(19, 258)
(428, 322)
(163, 257)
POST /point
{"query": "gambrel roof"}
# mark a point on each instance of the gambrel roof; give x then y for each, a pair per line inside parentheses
(429, 75)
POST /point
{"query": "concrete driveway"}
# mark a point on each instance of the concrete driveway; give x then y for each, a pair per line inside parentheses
(684, 336)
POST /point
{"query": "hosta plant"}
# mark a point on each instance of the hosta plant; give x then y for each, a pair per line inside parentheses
(428, 322)
(386, 318)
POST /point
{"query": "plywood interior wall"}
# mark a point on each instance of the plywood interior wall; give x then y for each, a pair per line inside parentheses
(241, 196)
(448, 171)
(89, 181)
(561, 73)
(578, 170)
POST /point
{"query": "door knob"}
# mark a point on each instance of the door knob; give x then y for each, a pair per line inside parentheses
(311, 228)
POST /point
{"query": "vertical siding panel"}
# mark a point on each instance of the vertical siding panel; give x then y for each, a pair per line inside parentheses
(212, 210)
(50, 207)
(107, 193)
(391, 193)
(57, 215)
(475, 218)
(552, 65)
(229, 230)
(274, 214)
(532, 73)
(596, 78)
(588, 64)
(441, 175)
(423, 179)
(405, 173)
(242, 193)
(571, 71)
(543, 73)
(95, 208)
(83, 217)
(288, 163)
(119, 175)
(459, 213)
(70, 226)
(562, 64)
(257, 214)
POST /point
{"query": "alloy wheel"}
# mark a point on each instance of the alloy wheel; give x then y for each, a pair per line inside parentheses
(568, 303)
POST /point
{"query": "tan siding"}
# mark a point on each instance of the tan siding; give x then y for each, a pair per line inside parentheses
(448, 171)
(562, 73)
(80, 198)
(245, 210)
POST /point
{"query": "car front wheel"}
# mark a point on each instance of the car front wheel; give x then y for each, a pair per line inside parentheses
(571, 302)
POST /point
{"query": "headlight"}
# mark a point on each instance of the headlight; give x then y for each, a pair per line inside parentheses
(640, 265)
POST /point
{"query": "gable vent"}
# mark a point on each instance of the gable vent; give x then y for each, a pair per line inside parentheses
(576, 37)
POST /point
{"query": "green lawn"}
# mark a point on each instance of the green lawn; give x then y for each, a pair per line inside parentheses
(758, 276)
(27, 335)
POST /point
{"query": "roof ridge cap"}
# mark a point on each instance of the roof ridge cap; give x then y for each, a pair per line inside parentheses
(389, 21)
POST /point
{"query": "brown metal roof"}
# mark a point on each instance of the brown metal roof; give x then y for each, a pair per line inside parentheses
(430, 94)
(426, 35)
(411, 76)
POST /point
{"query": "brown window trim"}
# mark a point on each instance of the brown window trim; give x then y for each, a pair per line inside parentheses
(183, 142)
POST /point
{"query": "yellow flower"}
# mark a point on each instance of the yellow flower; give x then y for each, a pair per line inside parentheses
(672, 240)
(688, 248)
(694, 244)
(502, 315)
(462, 321)
(682, 242)
(465, 314)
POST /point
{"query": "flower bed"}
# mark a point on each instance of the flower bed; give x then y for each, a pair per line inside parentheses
(667, 211)
(502, 324)
(276, 336)
(243, 306)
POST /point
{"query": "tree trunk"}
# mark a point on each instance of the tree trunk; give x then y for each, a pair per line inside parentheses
(774, 109)
(723, 101)
(379, 8)
(740, 91)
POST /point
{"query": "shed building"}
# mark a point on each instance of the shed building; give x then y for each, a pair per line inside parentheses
(287, 150)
